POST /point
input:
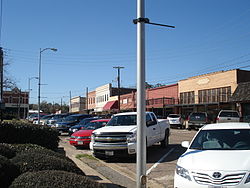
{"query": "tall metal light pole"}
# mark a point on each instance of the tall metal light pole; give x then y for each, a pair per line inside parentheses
(141, 117)
(141, 102)
(39, 78)
(119, 82)
(29, 90)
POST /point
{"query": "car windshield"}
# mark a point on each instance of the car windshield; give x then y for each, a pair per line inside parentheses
(46, 117)
(85, 121)
(229, 114)
(59, 116)
(173, 116)
(222, 139)
(95, 125)
(197, 116)
(70, 118)
(122, 120)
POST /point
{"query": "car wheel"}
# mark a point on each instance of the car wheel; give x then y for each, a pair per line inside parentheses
(165, 141)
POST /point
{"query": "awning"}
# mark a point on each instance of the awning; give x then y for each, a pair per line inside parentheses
(242, 93)
(111, 105)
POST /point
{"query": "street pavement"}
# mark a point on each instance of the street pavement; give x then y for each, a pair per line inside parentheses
(122, 172)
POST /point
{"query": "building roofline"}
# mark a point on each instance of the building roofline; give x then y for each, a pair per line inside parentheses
(211, 73)
(176, 84)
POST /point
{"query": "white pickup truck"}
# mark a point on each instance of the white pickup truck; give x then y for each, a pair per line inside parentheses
(118, 137)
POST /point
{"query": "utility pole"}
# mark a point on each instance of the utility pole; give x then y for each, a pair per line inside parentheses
(118, 80)
(87, 101)
(1, 83)
(70, 101)
(61, 104)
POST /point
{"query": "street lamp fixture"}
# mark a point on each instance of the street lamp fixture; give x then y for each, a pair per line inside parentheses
(39, 78)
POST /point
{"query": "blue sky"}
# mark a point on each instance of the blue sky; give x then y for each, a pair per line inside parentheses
(93, 36)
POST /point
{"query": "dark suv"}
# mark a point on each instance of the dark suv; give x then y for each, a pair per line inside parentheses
(197, 120)
(70, 121)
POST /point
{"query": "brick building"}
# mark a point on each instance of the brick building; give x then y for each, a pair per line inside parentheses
(210, 92)
(16, 103)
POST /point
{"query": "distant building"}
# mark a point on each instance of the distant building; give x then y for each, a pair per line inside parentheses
(103, 94)
(211, 92)
(160, 100)
(77, 104)
(15, 104)
(91, 101)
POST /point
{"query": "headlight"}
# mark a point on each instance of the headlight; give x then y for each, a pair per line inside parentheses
(93, 138)
(131, 138)
(182, 172)
(248, 179)
(74, 130)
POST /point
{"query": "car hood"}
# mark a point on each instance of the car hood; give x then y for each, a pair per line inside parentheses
(215, 160)
(83, 133)
(130, 128)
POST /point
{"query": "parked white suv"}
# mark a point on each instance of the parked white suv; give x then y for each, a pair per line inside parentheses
(218, 157)
(175, 120)
(228, 116)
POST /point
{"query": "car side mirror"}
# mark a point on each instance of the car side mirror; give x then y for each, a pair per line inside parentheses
(185, 144)
(149, 123)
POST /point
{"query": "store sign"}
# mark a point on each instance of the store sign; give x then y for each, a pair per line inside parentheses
(203, 81)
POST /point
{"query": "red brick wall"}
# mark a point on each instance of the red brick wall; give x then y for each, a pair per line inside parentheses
(170, 91)
(91, 100)
(127, 101)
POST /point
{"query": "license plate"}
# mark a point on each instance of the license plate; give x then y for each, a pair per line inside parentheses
(80, 142)
(216, 186)
(109, 153)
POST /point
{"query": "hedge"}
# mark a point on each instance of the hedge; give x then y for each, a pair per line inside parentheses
(6, 151)
(8, 172)
(52, 179)
(11, 150)
(33, 162)
(14, 132)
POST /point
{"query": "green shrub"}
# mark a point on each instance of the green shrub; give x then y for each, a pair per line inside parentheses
(18, 148)
(6, 151)
(52, 179)
(45, 151)
(33, 148)
(17, 132)
(8, 172)
(33, 162)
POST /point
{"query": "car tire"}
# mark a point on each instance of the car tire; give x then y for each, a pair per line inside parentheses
(165, 141)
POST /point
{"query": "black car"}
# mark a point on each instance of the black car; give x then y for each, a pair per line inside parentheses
(69, 121)
(197, 120)
(81, 124)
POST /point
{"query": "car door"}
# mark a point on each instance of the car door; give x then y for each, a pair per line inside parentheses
(153, 132)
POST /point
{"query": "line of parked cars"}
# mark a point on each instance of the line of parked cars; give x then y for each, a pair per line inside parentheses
(197, 119)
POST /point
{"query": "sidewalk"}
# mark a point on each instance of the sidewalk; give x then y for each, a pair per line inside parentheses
(108, 174)
(90, 172)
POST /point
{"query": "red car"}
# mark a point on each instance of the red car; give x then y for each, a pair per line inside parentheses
(82, 137)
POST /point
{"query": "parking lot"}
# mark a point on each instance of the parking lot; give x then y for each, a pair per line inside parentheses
(160, 162)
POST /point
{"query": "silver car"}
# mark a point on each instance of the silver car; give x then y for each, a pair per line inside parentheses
(175, 120)
(228, 116)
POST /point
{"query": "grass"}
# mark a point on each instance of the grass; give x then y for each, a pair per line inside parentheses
(80, 156)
